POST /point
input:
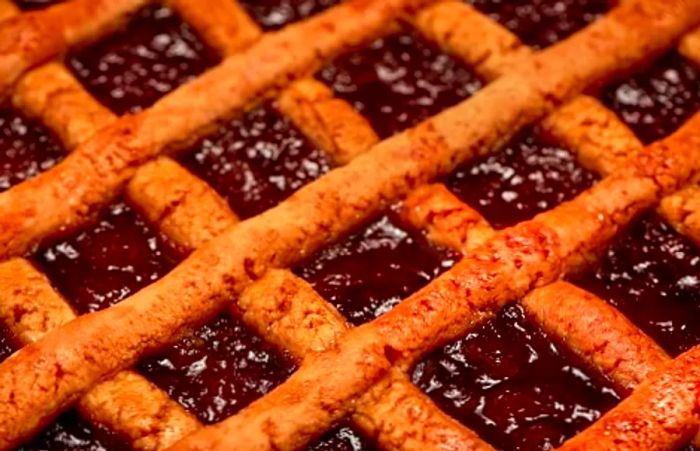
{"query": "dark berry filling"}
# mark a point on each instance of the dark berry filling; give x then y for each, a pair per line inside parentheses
(274, 14)
(654, 103)
(218, 370)
(342, 438)
(541, 23)
(69, 432)
(513, 385)
(131, 69)
(527, 177)
(652, 275)
(108, 261)
(26, 148)
(256, 161)
(399, 81)
(27, 5)
(6, 348)
(371, 271)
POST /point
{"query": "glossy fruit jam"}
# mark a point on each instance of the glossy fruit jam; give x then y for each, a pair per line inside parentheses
(541, 23)
(274, 14)
(26, 148)
(131, 69)
(256, 161)
(652, 274)
(372, 270)
(656, 101)
(524, 178)
(399, 81)
(107, 261)
(514, 386)
(218, 370)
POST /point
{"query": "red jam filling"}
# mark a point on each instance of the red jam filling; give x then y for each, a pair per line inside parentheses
(256, 161)
(372, 270)
(274, 14)
(27, 5)
(218, 370)
(526, 177)
(70, 432)
(26, 148)
(6, 348)
(131, 69)
(655, 102)
(107, 261)
(509, 382)
(652, 274)
(399, 81)
(541, 23)
(342, 438)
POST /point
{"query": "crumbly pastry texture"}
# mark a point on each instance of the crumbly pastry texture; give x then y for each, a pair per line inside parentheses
(240, 267)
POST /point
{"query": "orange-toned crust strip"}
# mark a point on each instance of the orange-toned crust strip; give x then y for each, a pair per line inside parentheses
(289, 313)
(507, 267)
(127, 404)
(661, 414)
(205, 282)
(93, 174)
(682, 211)
(592, 328)
(30, 39)
(690, 46)
(330, 123)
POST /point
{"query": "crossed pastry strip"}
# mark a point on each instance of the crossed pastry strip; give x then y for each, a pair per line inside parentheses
(244, 296)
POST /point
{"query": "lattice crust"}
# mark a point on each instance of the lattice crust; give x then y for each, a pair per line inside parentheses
(362, 368)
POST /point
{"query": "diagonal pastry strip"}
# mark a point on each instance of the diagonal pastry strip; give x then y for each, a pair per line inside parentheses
(72, 359)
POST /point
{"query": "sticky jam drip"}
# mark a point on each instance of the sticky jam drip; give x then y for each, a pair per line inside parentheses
(256, 161)
(510, 383)
(655, 102)
(524, 178)
(107, 261)
(652, 274)
(218, 370)
(374, 269)
(541, 23)
(274, 14)
(399, 81)
(130, 70)
(26, 148)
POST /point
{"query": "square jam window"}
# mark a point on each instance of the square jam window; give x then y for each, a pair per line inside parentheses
(541, 23)
(130, 70)
(399, 81)
(218, 370)
(6, 348)
(655, 102)
(524, 178)
(371, 271)
(651, 273)
(275, 14)
(26, 148)
(256, 161)
(107, 261)
(514, 386)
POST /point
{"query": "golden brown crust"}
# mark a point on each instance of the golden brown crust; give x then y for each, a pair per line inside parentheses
(127, 404)
(99, 343)
(182, 206)
(30, 39)
(223, 24)
(96, 170)
(54, 95)
(457, 27)
(597, 332)
(331, 123)
(662, 413)
(690, 46)
(448, 221)
(682, 211)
